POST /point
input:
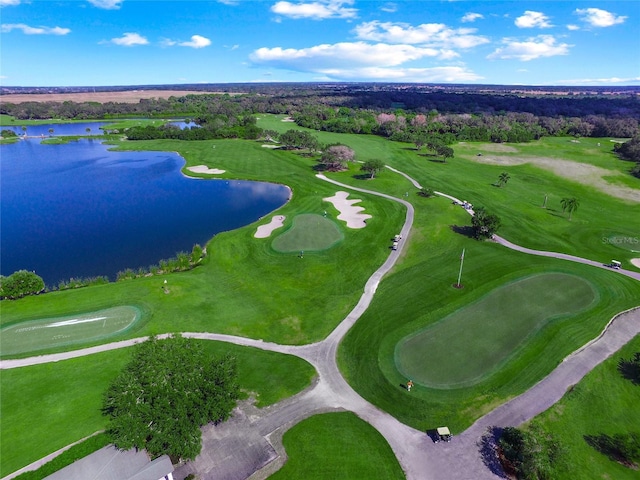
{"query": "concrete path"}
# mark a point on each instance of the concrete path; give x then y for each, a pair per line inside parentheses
(249, 445)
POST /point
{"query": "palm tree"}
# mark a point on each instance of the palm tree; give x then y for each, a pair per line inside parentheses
(50, 131)
(503, 179)
(570, 204)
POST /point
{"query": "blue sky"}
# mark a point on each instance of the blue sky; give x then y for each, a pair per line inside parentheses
(136, 42)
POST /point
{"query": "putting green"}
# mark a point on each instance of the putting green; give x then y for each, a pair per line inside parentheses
(471, 343)
(49, 333)
(309, 232)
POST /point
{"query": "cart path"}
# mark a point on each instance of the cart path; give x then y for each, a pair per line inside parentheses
(250, 441)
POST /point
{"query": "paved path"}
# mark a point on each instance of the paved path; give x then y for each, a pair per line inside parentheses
(249, 445)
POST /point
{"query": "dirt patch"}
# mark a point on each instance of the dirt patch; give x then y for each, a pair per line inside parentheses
(578, 172)
(497, 147)
(130, 96)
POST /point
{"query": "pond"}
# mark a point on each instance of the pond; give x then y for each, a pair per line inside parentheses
(79, 210)
(59, 129)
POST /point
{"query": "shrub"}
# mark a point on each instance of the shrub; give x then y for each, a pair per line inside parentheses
(19, 284)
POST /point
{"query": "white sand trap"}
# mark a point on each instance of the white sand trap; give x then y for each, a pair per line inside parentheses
(636, 262)
(288, 119)
(205, 169)
(265, 231)
(270, 146)
(348, 212)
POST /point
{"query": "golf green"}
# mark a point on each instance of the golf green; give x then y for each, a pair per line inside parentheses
(471, 343)
(48, 333)
(309, 232)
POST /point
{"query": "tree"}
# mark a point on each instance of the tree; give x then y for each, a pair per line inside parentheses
(445, 152)
(503, 178)
(335, 157)
(372, 166)
(50, 131)
(484, 224)
(165, 394)
(20, 284)
(88, 129)
(569, 204)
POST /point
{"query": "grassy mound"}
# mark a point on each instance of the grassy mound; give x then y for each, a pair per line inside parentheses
(489, 330)
(337, 445)
(310, 232)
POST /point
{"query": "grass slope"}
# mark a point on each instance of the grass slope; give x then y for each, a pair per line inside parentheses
(337, 445)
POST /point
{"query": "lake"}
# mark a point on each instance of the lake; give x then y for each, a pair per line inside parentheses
(78, 210)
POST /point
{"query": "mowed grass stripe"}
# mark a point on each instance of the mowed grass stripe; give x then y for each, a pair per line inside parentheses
(310, 232)
(466, 346)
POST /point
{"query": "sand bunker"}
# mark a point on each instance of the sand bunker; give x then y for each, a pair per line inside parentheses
(288, 119)
(583, 173)
(348, 212)
(270, 146)
(205, 169)
(264, 231)
(636, 262)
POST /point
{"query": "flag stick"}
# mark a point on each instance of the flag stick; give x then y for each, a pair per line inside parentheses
(460, 273)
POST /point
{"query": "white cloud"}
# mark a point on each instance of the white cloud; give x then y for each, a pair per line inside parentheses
(389, 7)
(341, 56)
(130, 39)
(422, 75)
(472, 17)
(318, 10)
(532, 19)
(197, 41)
(6, 3)
(540, 46)
(231, 3)
(106, 4)
(27, 30)
(573, 27)
(599, 18)
(432, 34)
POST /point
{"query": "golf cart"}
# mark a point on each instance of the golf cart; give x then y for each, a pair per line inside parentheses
(615, 264)
(443, 433)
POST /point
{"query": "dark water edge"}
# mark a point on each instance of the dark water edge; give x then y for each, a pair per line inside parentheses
(78, 210)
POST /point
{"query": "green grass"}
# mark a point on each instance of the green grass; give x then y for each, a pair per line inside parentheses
(47, 333)
(602, 403)
(309, 232)
(337, 445)
(418, 293)
(47, 407)
(490, 330)
(245, 287)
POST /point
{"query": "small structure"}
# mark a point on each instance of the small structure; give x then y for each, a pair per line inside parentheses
(109, 463)
(443, 433)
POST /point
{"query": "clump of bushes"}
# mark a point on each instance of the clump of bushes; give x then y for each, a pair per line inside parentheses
(20, 284)
(183, 261)
(82, 282)
(530, 455)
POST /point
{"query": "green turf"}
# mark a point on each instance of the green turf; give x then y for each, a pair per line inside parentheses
(47, 407)
(489, 330)
(337, 446)
(46, 333)
(309, 232)
(604, 402)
